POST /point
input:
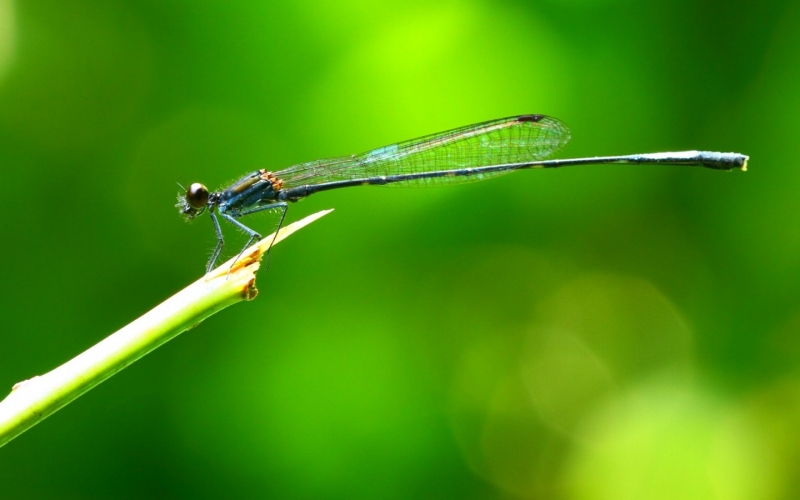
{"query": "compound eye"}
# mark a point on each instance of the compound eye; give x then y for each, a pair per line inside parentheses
(197, 195)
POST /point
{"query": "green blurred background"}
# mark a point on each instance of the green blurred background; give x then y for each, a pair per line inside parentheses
(588, 333)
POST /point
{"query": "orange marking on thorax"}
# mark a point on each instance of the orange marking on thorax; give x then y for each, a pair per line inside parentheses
(277, 184)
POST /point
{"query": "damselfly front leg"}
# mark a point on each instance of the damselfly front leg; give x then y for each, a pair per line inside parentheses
(255, 236)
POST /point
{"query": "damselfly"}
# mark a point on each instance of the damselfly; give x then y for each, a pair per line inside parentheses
(470, 153)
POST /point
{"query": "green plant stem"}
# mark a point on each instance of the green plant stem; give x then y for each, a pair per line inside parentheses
(33, 400)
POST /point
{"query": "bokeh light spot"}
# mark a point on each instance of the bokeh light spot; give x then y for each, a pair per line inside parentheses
(667, 440)
(7, 35)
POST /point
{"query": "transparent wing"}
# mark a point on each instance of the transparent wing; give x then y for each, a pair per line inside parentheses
(515, 139)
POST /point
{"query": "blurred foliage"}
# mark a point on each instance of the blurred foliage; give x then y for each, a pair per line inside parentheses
(589, 333)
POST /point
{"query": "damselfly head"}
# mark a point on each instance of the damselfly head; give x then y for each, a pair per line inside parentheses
(194, 202)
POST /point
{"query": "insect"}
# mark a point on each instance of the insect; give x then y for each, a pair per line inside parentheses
(465, 154)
